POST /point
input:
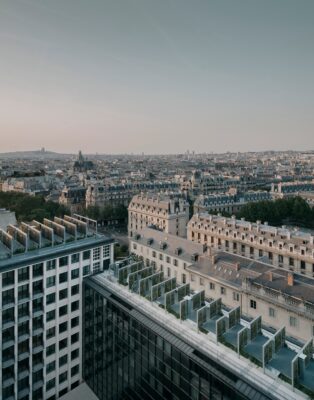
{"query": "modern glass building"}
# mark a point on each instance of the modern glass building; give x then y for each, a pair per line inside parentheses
(42, 267)
(131, 352)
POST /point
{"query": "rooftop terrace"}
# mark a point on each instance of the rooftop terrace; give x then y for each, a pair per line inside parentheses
(260, 355)
(34, 239)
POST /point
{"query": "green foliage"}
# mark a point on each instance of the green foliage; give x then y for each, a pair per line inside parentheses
(294, 211)
(120, 251)
(28, 207)
(107, 213)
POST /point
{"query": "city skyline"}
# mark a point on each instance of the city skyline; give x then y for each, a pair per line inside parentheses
(156, 77)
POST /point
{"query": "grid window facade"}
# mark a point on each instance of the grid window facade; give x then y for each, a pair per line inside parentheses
(125, 358)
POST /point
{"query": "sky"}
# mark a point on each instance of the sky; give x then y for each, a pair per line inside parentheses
(156, 76)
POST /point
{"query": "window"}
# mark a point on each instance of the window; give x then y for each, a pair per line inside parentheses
(236, 296)
(161, 257)
(75, 338)
(260, 253)
(291, 261)
(302, 265)
(86, 270)
(75, 370)
(168, 272)
(50, 350)
(63, 310)
(7, 278)
(50, 384)
(23, 329)
(211, 286)
(75, 258)
(50, 367)
(106, 251)
(63, 343)
(51, 315)
(86, 255)
(50, 265)
(272, 312)
(63, 327)
(63, 377)
(75, 273)
(50, 333)
(63, 360)
(38, 270)
(75, 322)
(50, 298)
(96, 254)
(192, 278)
(63, 294)
(23, 274)
(183, 278)
(8, 315)
(201, 282)
(23, 347)
(75, 354)
(75, 290)
(222, 290)
(253, 304)
(293, 321)
(168, 260)
(8, 297)
(38, 287)
(63, 277)
(50, 281)
(23, 310)
(63, 261)
(154, 254)
(23, 292)
(75, 305)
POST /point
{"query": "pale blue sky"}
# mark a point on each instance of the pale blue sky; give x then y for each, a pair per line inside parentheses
(157, 76)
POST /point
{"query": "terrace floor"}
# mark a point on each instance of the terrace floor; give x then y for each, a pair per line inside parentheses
(210, 325)
(281, 361)
(231, 335)
(255, 347)
(308, 378)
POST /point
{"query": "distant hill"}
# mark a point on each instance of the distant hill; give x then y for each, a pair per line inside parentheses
(34, 154)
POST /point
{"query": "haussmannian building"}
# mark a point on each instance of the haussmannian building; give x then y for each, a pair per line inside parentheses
(290, 249)
(230, 202)
(165, 212)
(42, 266)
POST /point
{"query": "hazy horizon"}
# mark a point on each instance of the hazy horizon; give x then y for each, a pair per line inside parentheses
(159, 77)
